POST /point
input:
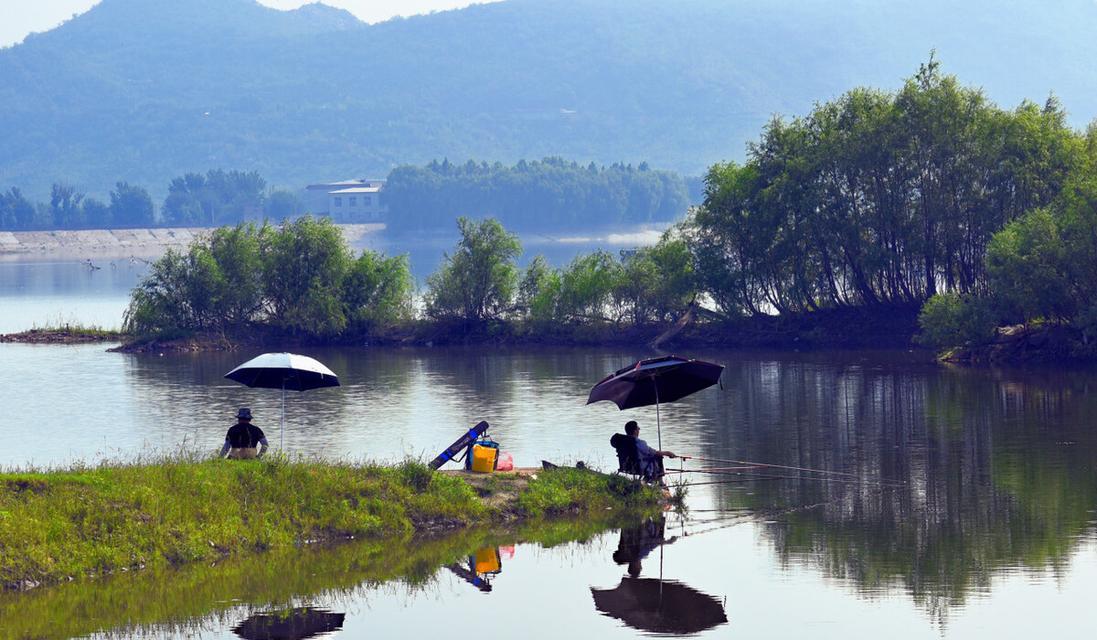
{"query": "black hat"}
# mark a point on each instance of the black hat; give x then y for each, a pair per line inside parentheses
(244, 413)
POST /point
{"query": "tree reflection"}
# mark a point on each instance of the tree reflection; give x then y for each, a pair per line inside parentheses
(995, 469)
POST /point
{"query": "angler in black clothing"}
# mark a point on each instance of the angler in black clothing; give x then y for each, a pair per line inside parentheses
(243, 438)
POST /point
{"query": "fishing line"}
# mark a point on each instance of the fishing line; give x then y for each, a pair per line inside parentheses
(776, 466)
(753, 518)
(746, 477)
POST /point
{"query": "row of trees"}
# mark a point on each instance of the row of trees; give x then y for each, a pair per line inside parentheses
(215, 198)
(301, 278)
(544, 195)
(878, 198)
(481, 281)
(224, 197)
(129, 206)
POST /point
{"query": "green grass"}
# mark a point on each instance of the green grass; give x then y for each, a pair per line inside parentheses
(73, 523)
(568, 490)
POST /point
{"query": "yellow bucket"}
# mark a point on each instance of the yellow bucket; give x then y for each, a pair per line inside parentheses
(483, 458)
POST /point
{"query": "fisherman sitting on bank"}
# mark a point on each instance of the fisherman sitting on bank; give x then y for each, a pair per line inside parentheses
(648, 461)
(243, 437)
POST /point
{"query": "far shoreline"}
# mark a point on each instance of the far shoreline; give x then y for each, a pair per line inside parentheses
(144, 243)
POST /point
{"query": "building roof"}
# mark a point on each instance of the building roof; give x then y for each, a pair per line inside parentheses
(344, 184)
(354, 190)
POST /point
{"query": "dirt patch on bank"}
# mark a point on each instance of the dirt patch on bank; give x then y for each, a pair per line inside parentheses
(497, 490)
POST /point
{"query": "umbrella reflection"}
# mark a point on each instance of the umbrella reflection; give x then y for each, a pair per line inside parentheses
(289, 624)
(650, 604)
(660, 606)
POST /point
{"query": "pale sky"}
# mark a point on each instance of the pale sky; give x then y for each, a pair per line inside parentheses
(21, 17)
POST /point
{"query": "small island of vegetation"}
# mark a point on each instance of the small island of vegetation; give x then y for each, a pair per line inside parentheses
(78, 522)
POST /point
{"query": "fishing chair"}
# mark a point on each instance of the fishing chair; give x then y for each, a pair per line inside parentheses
(628, 458)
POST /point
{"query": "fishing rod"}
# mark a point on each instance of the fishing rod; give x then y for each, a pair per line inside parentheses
(712, 469)
(775, 466)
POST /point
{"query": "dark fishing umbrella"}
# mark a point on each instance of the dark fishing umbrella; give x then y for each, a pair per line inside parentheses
(660, 606)
(656, 380)
(283, 371)
(292, 624)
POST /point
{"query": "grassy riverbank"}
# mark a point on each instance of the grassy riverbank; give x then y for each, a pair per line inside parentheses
(85, 522)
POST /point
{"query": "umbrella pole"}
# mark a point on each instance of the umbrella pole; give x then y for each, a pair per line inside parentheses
(282, 429)
(658, 423)
(660, 579)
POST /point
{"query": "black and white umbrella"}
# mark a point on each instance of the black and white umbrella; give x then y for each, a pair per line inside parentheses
(284, 371)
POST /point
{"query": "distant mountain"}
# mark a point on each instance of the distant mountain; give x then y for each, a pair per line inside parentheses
(143, 90)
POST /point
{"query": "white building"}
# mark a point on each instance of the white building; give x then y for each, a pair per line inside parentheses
(347, 200)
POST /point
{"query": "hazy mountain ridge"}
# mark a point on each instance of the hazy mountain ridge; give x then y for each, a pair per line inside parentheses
(143, 90)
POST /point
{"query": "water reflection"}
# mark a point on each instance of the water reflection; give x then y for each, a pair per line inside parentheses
(995, 472)
(974, 478)
(290, 624)
(282, 594)
(482, 566)
(650, 604)
(640, 540)
(660, 606)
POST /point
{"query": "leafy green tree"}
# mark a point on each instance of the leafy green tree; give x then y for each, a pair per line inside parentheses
(16, 212)
(535, 279)
(587, 288)
(950, 320)
(237, 253)
(1027, 264)
(216, 285)
(218, 197)
(378, 290)
(479, 280)
(131, 206)
(657, 283)
(304, 268)
(96, 213)
(877, 198)
(161, 304)
(65, 209)
(188, 203)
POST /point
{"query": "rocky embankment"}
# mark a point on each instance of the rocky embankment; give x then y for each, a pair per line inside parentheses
(138, 243)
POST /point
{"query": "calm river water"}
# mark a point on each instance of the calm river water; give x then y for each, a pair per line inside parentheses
(984, 526)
